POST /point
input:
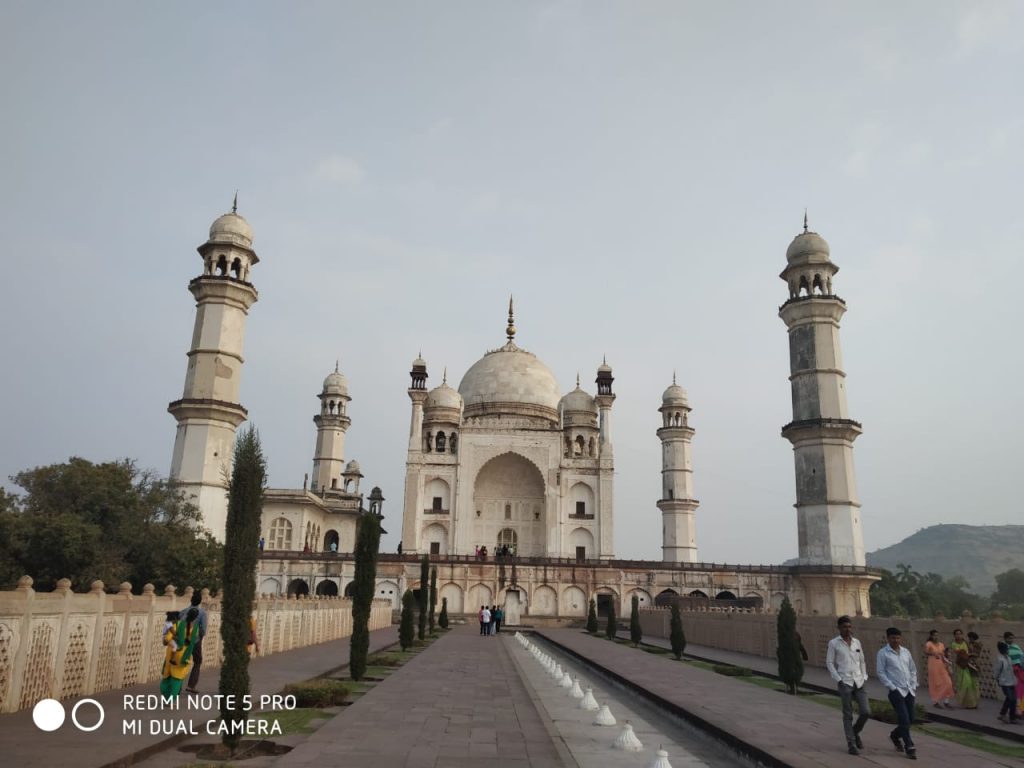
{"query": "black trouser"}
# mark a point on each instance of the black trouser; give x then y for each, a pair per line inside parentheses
(1010, 704)
(904, 706)
(197, 662)
(483, 627)
(497, 625)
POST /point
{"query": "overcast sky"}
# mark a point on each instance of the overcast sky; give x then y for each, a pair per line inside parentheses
(632, 172)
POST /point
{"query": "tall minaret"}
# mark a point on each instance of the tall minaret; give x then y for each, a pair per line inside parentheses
(605, 398)
(413, 490)
(606, 460)
(822, 434)
(677, 505)
(209, 412)
(331, 423)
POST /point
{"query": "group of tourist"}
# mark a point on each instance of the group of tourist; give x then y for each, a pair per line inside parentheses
(897, 671)
(505, 550)
(490, 619)
(183, 634)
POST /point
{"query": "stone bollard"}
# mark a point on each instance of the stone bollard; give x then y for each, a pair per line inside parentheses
(566, 681)
(604, 716)
(627, 740)
(576, 692)
(660, 760)
(588, 702)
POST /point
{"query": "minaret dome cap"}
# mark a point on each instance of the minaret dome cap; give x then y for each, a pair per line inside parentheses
(335, 384)
(675, 395)
(807, 247)
(231, 228)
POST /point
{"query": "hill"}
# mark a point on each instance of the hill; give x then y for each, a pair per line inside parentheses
(976, 552)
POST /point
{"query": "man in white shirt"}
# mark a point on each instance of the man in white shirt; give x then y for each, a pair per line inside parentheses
(898, 673)
(845, 662)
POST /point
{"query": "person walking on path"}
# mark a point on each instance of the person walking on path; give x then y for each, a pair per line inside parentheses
(940, 685)
(898, 673)
(197, 653)
(499, 616)
(965, 672)
(845, 662)
(1007, 682)
(485, 619)
(494, 615)
(1017, 659)
(181, 641)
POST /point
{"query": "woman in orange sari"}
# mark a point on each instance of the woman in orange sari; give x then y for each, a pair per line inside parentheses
(940, 686)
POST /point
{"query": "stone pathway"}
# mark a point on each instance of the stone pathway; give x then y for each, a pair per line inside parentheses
(459, 703)
(768, 725)
(22, 745)
(984, 717)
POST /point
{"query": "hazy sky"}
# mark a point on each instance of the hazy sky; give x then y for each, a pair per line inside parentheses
(632, 172)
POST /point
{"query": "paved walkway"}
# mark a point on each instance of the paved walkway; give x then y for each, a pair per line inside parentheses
(983, 718)
(772, 727)
(459, 703)
(22, 745)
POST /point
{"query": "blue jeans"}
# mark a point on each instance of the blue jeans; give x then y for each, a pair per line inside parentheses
(1010, 702)
(904, 706)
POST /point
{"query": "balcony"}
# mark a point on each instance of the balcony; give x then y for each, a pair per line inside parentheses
(433, 511)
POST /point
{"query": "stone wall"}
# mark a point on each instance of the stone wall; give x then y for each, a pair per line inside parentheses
(62, 645)
(755, 633)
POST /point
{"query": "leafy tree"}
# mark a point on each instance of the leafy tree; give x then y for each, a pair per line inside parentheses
(367, 546)
(442, 620)
(423, 595)
(433, 597)
(1009, 587)
(676, 635)
(242, 534)
(791, 664)
(108, 521)
(906, 576)
(636, 632)
(592, 625)
(612, 627)
(406, 630)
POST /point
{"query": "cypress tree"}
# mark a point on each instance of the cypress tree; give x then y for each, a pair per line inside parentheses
(241, 549)
(406, 630)
(442, 620)
(791, 665)
(433, 597)
(612, 628)
(636, 633)
(592, 625)
(676, 635)
(367, 545)
(424, 594)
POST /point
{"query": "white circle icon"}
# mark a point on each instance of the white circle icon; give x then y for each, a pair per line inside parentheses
(87, 728)
(48, 714)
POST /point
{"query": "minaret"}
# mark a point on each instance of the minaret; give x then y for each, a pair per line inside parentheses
(822, 434)
(605, 398)
(331, 423)
(677, 505)
(209, 412)
(417, 393)
(413, 490)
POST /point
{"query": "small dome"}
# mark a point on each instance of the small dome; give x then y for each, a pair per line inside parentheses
(604, 367)
(335, 384)
(231, 228)
(675, 395)
(443, 397)
(352, 468)
(807, 247)
(577, 400)
(419, 361)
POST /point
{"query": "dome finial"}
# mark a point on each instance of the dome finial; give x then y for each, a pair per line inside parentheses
(805, 221)
(510, 329)
(673, 377)
(234, 203)
(577, 379)
(336, 362)
(444, 377)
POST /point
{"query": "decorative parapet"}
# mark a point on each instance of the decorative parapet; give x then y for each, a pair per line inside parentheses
(63, 644)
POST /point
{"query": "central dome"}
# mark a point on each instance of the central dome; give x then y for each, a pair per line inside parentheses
(510, 381)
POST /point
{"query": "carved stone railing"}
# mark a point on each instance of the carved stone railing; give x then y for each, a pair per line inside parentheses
(61, 644)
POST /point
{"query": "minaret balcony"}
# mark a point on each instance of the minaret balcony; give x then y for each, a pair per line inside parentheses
(818, 429)
(207, 408)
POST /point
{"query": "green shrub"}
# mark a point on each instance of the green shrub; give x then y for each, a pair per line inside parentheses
(317, 693)
(636, 633)
(384, 659)
(791, 664)
(676, 635)
(592, 625)
(612, 627)
(442, 620)
(730, 671)
(406, 629)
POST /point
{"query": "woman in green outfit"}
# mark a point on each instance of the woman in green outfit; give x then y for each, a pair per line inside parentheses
(180, 641)
(966, 675)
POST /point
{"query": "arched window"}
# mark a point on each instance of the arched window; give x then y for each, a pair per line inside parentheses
(453, 443)
(804, 285)
(236, 268)
(578, 447)
(330, 406)
(440, 442)
(506, 538)
(281, 534)
(222, 265)
(591, 448)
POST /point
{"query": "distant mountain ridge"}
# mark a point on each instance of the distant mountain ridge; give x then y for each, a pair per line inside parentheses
(976, 552)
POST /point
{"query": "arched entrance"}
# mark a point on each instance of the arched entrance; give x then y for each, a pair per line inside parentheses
(508, 493)
(665, 598)
(331, 537)
(327, 588)
(298, 588)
